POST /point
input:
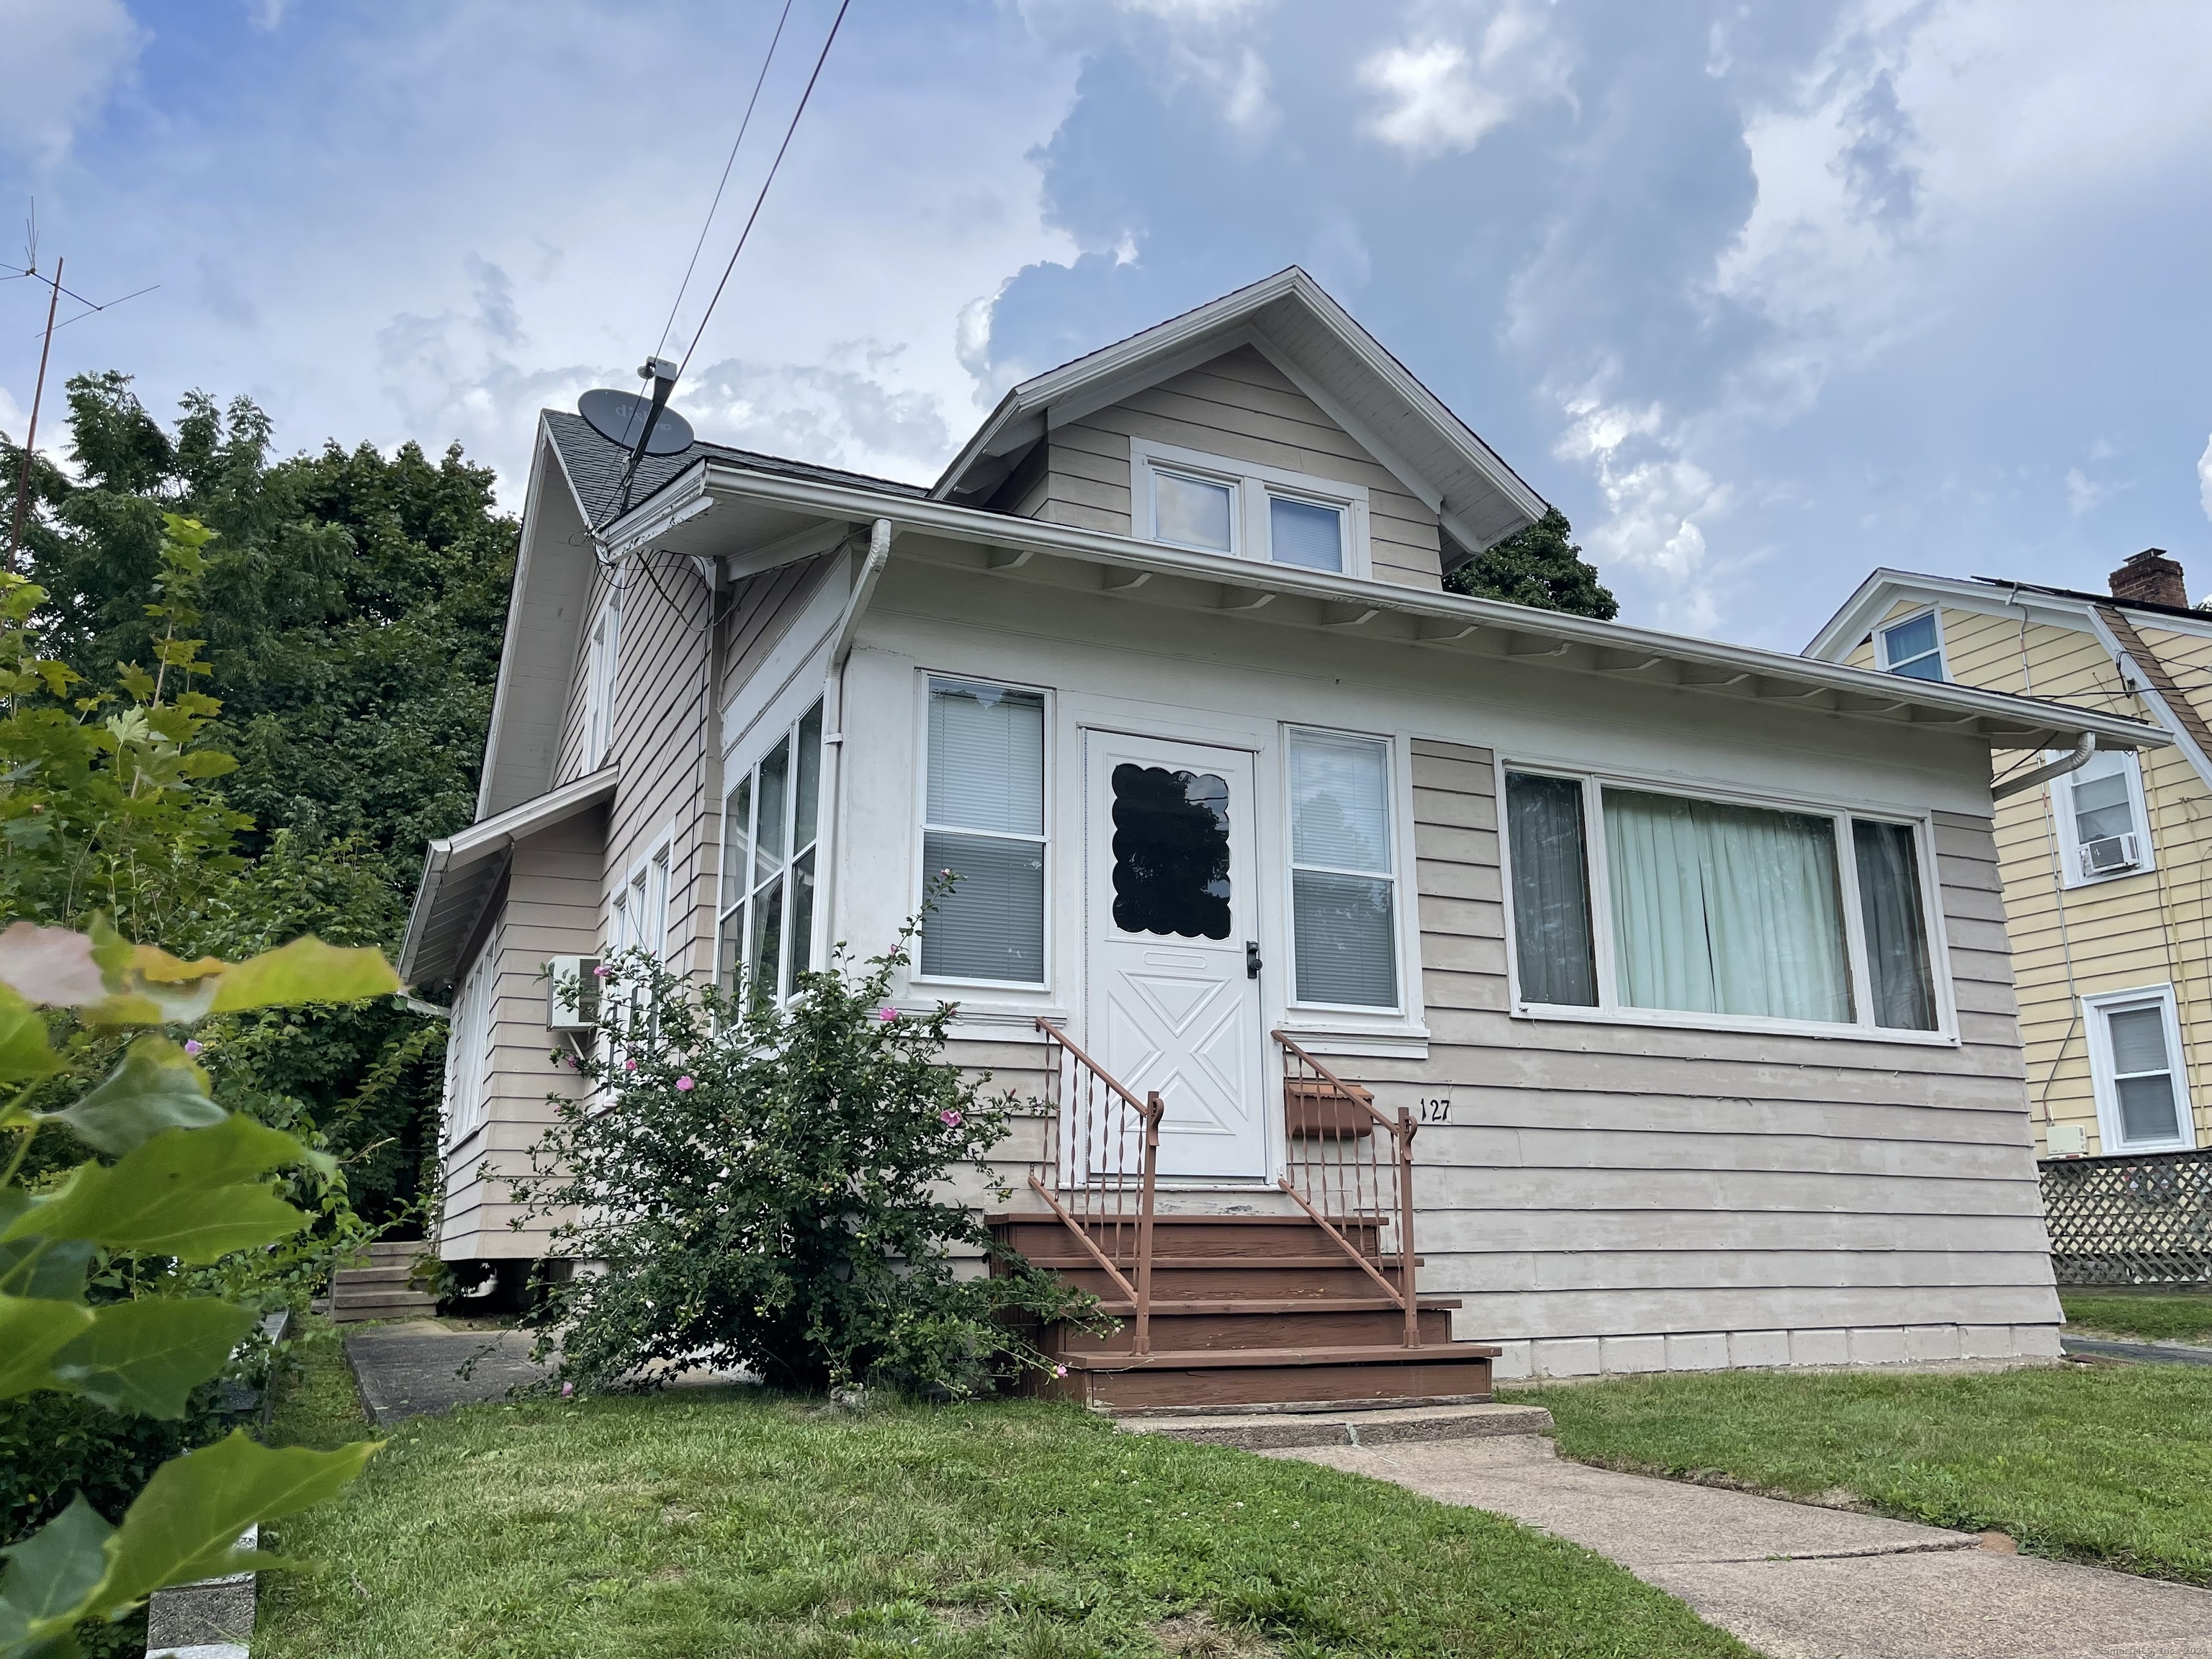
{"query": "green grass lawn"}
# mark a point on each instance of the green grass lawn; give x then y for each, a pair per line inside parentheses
(2109, 1464)
(700, 1523)
(2145, 1315)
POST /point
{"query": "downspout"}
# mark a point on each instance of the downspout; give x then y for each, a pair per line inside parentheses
(2081, 757)
(833, 727)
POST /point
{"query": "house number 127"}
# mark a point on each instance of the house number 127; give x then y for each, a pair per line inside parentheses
(1436, 1108)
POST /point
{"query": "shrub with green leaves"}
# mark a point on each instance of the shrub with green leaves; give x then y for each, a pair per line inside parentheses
(177, 1177)
(765, 1186)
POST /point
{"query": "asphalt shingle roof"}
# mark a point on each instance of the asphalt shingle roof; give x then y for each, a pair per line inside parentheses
(595, 467)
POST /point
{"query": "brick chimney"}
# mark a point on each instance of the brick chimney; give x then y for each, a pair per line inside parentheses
(2151, 578)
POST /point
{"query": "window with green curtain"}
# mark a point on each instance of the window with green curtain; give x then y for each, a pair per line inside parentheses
(1546, 846)
(1725, 910)
(1901, 983)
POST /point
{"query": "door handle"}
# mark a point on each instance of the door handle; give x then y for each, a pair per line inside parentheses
(1251, 959)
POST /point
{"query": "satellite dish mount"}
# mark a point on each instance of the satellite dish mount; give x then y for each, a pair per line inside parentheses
(643, 426)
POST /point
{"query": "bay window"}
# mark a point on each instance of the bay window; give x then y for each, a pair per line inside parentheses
(1344, 933)
(770, 822)
(1631, 899)
(984, 823)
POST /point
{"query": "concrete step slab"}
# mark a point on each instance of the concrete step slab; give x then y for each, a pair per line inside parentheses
(1268, 1430)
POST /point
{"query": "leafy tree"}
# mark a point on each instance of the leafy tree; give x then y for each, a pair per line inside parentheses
(178, 1181)
(352, 608)
(769, 1189)
(1542, 565)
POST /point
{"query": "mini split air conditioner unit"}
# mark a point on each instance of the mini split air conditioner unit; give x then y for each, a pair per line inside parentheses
(572, 993)
(2109, 854)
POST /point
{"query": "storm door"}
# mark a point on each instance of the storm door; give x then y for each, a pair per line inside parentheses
(1170, 911)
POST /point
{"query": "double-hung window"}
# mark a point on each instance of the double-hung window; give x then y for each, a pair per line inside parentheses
(2102, 825)
(771, 820)
(1913, 648)
(468, 1045)
(2135, 1067)
(1216, 504)
(1344, 899)
(601, 664)
(1627, 899)
(983, 825)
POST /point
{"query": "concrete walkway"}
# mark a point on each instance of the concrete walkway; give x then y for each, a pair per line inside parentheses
(2153, 1353)
(1797, 1582)
(412, 1367)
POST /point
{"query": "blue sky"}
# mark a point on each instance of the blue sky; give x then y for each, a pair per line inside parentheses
(1761, 295)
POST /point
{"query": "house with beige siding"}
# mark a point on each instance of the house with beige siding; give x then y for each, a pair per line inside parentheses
(1413, 987)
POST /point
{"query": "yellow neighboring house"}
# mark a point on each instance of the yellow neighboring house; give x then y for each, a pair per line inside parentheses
(2102, 855)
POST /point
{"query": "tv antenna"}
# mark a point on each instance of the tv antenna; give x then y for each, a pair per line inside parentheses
(29, 268)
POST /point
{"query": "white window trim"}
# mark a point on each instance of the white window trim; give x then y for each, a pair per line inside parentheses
(2094, 1009)
(1350, 1016)
(2070, 873)
(1882, 630)
(733, 777)
(1610, 1010)
(602, 676)
(468, 1057)
(1251, 487)
(922, 826)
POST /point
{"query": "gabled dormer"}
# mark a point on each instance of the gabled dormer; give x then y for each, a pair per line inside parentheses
(1267, 426)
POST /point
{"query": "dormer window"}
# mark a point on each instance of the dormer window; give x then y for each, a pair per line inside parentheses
(1193, 512)
(1214, 504)
(1914, 647)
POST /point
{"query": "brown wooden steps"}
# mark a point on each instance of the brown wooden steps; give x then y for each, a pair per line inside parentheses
(1246, 1310)
(378, 1287)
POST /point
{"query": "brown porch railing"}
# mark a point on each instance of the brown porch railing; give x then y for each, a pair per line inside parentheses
(1350, 1166)
(1099, 1167)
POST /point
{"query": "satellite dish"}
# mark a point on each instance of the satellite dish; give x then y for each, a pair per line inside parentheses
(619, 416)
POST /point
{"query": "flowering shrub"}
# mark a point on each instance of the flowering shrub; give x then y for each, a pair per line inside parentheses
(768, 1187)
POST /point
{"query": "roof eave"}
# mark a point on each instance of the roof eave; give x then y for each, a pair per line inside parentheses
(2032, 721)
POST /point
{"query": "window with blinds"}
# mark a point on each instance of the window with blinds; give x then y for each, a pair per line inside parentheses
(983, 826)
(770, 821)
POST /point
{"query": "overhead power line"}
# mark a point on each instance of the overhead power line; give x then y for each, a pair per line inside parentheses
(715, 206)
(836, 23)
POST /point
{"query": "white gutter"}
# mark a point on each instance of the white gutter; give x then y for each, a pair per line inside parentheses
(2083, 750)
(833, 727)
(974, 525)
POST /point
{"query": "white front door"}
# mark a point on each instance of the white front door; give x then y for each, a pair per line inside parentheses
(1171, 895)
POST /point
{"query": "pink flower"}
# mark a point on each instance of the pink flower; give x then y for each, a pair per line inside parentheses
(599, 972)
(1060, 1370)
(629, 1065)
(684, 1086)
(567, 1391)
(950, 1119)
(887, 1013)
(191, 1045)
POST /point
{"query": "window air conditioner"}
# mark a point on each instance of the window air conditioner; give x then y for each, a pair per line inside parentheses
(2108, 854)
(572, 993)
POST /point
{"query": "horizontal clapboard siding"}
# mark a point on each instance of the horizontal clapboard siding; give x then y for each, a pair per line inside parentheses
(552, 909)
(2137, 931)
(1601, 1181)
(1241, 406)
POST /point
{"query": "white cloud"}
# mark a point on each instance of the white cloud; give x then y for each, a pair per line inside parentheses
(1655, 498)
(1441, 96)
(2204, 478)
(62, 62)
(2082, 492)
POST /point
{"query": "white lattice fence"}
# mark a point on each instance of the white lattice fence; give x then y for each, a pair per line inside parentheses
(2131, 1219)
